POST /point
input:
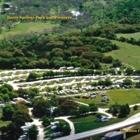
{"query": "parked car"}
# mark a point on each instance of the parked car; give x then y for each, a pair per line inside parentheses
(54, 123)
(92, 96)
(102, 119)
(86, 97)
(56, 134)
(53, 127)
(2, 105)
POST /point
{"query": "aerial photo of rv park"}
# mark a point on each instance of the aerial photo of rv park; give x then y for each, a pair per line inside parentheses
(69, 69)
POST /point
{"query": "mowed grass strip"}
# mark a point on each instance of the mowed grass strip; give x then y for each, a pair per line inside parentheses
(132, 35)
(27, 27)
(127, 54)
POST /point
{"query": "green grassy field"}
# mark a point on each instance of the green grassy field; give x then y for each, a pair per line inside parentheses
(95, 101)
(1, 2)
(131, 96)
(121, 96)
(28, 27)
(88, 122)
(133, 35)
(128, 54)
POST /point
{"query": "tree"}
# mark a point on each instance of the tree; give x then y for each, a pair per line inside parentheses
(135, 107)
(114, 109)
(99, 116)
(93, 107)
(32, 76)
(127, 106)
(101, 82)
(22, 92)
(68, 105)
(3, 20)
(1, 29)
(74, 112)
(33, 132)
(124, 111)
(40, 107)
(21, 114)
(129, 71)
(6, 97)
(45, 121)
(108, 82)
(138, 84)
(60, 88)
(83, 109)
(7, 112)
(20, 122)
(116, 63)
(33, 92)
(9, 25)
(57, 111)
(13, 131)
(3, 130)
(63, 128)
(127, 82)
(4, 90)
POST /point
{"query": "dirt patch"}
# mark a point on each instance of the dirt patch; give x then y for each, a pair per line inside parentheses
(101, 104)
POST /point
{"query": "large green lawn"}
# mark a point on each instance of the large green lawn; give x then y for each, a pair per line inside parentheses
(121, 96)
(89, 122)
(96, 101)
(27, 27)
(133, 35)
(128, 54)
(86, 123)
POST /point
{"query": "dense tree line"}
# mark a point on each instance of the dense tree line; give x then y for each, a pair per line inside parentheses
(73, 49)
(109, 30)
(116, 11)
(66, 73)
(131, 40)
